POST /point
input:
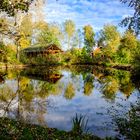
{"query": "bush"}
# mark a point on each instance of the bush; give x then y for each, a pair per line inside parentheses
(9, 54)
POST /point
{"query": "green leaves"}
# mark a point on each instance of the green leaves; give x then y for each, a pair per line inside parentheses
(69, 28)
(49, 35)
(110, 36)
(89, 38)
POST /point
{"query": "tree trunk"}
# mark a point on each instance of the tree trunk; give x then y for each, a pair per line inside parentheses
(68, 42)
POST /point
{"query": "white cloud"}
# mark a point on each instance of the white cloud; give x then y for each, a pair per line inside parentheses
(82, 12)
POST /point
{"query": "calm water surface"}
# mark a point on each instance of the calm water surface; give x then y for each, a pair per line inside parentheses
(53, 95)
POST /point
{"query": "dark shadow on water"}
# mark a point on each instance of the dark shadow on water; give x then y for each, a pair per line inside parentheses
(50, 75)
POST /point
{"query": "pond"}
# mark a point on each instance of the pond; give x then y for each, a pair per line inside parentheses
(52, 96)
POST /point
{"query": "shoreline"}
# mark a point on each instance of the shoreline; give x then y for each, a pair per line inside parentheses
(22, 66)
(12, 129)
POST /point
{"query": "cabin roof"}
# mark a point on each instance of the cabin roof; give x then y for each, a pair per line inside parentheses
(36, 49)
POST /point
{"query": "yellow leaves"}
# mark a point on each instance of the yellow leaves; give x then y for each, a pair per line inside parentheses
(111, 37)
(88, 87)
(6, 94)
(41, 25)
(88, 32)
(69, 27)
(129, 41)
(111, 85)
(13, 47)
(26, 26)
(70, 91)
(24, 82)
(24, 42)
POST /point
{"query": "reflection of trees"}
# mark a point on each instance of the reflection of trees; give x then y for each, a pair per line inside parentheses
(28, 100)
(24, 102)
(127, 89)
(112, 80)
(126, 85)
(1, 80)
(109, 87)
(46, 89)
(6, 99)
(136, 78)
(69, 92)
(88, 84)
(128, 123)
(30, 96)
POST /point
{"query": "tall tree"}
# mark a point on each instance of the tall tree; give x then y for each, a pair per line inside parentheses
(26, 30)
(79, 37)
(69, 27)
(132, 22)
(129, 41)
(110, 36)
(47, 36)
(89, 37)
(55, 28)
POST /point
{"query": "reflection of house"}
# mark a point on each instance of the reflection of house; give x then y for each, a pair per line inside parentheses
(51, 78)
(42, 51)
(1, 79)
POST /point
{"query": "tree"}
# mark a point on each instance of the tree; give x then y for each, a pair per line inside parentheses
(89, 38)
(55, 28)
(75, 40)
(110, 36)
(25, 30)
(127, 48)
(79, 37)
(132, 22)
(129, 41)
(88, 84)
(69, 92)
(4, 27)
(23, 33)
(11, 7)
(46, 37)
(69, 27)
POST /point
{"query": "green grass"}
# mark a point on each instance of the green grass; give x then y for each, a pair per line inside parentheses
(79, 124)
(11, 129)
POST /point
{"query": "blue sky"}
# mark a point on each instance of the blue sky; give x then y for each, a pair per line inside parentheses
(94, 12)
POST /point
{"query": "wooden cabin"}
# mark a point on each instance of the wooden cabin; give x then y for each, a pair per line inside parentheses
(42, 51)
(51, 78)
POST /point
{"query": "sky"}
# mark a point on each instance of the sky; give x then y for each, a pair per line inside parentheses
(97, 13)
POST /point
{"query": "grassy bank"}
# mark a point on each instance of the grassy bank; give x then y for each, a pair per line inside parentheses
(11, 129)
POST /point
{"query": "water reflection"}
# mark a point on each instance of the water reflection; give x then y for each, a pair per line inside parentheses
(50, 75)
(53, 95)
